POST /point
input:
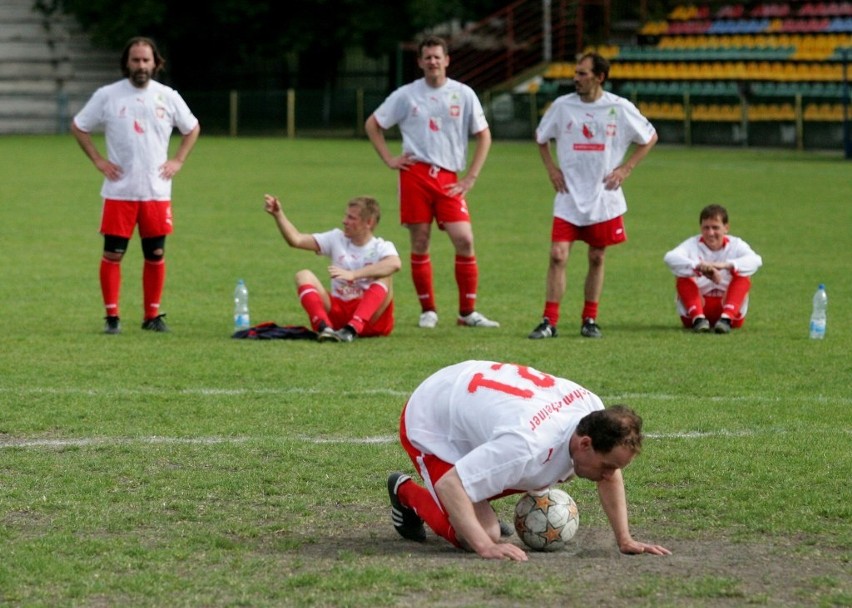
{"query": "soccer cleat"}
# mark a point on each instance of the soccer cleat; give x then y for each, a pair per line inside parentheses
(345, 334)
(543, 330)
(723, 326)
(155, 324)
(506, 529)
(112, 325)
(700, 325)
(590, 329)
(326, 334)
(476, 319)
(405, 520)
(428, 319)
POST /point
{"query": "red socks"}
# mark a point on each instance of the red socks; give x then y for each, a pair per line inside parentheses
(421, 275)
(311, 301)
(371, 301)
(590, 310)
(153, 279)
(467, 279)
(418, 498)
(690, 297)
(110, 275)
(735, 296)
(551, 312)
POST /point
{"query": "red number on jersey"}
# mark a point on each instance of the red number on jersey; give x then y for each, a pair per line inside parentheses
(539, 380)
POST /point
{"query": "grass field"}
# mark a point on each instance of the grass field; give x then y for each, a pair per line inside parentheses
(189, 469)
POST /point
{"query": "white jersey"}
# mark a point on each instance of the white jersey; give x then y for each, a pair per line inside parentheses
(591, 141)
(684, 259)
(138, 124)
(503, 426)
(435, 122)
(343, 253)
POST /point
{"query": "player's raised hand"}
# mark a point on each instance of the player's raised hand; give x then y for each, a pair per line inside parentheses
(272, 204)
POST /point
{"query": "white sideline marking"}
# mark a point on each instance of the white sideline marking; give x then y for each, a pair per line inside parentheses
(196, 391)
(376, 440)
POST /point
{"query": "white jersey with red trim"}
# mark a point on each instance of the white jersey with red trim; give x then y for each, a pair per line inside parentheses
(684, 259)
(435, 122)
(137, 123)
(591, 140)
(345, 254)
(503, 426)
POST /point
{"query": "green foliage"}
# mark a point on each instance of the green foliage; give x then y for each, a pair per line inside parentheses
(190, 469)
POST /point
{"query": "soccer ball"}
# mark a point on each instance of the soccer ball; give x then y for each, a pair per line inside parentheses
(546, 520)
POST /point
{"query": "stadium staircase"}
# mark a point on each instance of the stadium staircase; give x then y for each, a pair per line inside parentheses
(739, 63)
(48, 68)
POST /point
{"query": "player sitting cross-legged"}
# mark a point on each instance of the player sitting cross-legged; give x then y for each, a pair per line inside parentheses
(360, 300)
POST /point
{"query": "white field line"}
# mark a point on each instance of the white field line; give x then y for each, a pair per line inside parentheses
(376, 440)
(214, 392)
(9, 442)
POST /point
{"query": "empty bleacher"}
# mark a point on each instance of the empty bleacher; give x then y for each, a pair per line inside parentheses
(48, 69)
(764, 62)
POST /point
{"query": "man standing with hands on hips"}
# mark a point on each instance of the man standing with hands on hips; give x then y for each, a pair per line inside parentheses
(436, 115)
(138, 115)
(593, 130)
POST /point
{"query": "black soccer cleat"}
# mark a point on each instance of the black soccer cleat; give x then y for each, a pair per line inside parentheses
(405, 520)
(112, 325)
(590, 329)
(155, 324)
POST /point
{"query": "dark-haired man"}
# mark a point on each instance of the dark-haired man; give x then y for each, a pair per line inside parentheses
(480, 430)
(138, 115)
(593, 130)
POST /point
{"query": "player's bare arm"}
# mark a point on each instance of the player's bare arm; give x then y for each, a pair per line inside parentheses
(614, 502)
(468, 528)
(480, 154)
(616, 178)
(173, 165)
(553, 172)
(377, 138)
(380, 270)
(84, 139)
(293, 237)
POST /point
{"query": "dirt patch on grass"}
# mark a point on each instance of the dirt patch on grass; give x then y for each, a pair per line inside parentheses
(593, 572)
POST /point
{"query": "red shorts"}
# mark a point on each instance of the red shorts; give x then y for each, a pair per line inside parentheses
(603, 234)
(430, 467)
(423, 196)
(342, 310)
(154, 218)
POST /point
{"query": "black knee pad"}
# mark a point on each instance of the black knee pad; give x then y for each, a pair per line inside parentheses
(115, 244)
(150, 247)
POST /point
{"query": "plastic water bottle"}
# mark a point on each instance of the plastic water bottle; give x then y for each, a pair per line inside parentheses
(818, 317)
(241, 307)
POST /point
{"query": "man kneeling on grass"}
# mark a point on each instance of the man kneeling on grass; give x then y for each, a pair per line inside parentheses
(360, 302)
(479, 430)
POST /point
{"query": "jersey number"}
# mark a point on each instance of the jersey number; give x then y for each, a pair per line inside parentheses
(538, 379)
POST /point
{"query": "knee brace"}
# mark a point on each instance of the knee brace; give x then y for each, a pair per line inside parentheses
(154, 248)
(115, 244)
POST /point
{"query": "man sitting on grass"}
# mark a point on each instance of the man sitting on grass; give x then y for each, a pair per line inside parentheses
(360, 302)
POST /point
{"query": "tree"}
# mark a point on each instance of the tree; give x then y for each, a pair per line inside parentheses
(224, 44)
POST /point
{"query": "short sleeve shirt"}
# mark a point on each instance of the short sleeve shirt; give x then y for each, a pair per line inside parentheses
(138, 124)
(503, 426)
(343, 253)
(435, 122)
(591, 141)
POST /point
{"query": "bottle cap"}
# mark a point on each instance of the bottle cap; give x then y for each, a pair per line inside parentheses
(822, 285)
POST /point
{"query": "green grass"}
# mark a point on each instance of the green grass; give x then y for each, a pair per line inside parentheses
(190, 469)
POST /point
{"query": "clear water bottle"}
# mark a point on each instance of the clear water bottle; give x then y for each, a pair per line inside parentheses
(818, 317)
(241, 307)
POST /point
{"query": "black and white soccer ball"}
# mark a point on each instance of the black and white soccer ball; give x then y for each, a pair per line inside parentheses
(546, 520)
